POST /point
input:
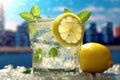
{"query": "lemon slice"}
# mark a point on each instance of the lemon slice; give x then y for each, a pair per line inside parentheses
(68, 29)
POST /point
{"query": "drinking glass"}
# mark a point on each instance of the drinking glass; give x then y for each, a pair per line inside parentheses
(50, 58)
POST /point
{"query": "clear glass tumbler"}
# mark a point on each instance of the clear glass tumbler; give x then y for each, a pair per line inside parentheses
(50, 58)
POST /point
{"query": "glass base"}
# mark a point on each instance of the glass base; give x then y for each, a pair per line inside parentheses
(56, 74)
(56, 78)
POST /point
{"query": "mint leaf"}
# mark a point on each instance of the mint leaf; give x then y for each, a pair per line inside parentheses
(27, 71)
(48, 16)
(27, 16)
(67, 11)
(84, 15)
(35, 11)
(37, 55)
(53, 52)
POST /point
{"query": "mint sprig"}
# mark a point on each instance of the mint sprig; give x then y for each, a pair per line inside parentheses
(67, 11)
(37, 55)
(53, 52)
(26, 16)
(84, 15)
(27, 71)
(33, 14)
(35, 11)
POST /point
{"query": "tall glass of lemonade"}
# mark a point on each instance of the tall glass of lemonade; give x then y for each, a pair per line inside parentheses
(56, 44)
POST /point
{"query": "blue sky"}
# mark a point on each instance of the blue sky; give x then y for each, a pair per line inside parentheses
(102, 10)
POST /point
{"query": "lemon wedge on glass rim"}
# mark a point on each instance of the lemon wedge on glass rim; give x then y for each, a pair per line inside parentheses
(68, 29)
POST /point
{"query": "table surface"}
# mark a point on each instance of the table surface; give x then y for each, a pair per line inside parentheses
(9, 73)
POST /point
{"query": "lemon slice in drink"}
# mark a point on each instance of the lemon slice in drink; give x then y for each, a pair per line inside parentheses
(68, 29)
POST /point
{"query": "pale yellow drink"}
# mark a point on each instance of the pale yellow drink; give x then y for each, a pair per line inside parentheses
(55, 48)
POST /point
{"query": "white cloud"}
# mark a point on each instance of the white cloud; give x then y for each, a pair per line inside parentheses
(108, 16)
(11, 26)
(8, 2)
(94, 9)
(59, 9)
(98, 18)
(104, 18)
(114, 10)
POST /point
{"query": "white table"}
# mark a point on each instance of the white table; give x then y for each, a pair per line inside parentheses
(9, 73)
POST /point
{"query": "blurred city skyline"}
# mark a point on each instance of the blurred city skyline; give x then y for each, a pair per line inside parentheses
(20, 38)
(103, 25)
(102, 11)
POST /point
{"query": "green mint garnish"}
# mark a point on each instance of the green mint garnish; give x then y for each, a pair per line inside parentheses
(84, 15)
(26, 16)
(27, 71)
(67, 11)
(33, 14)
(53, 52)
(37, 55)
(35, 11)
(48, 16)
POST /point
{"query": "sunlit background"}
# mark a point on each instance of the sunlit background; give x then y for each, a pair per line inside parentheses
(103, 25)
(102, 11)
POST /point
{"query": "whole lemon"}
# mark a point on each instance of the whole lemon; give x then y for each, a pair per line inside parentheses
(95, 57)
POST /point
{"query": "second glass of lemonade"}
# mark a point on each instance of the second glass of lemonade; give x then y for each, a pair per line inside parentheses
(56, 48)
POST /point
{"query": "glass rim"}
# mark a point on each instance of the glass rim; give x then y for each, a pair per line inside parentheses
(50, 20)
(41, 20)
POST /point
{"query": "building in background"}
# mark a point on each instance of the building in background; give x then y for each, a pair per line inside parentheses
(100, 38)
(117, 34)
(117, 31)
(1, 18)
(9, 38)
(1, 24)
(22, 36)
(91, 33)
(107, 31)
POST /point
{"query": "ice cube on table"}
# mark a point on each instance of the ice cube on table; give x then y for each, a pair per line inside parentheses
(82, 75)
